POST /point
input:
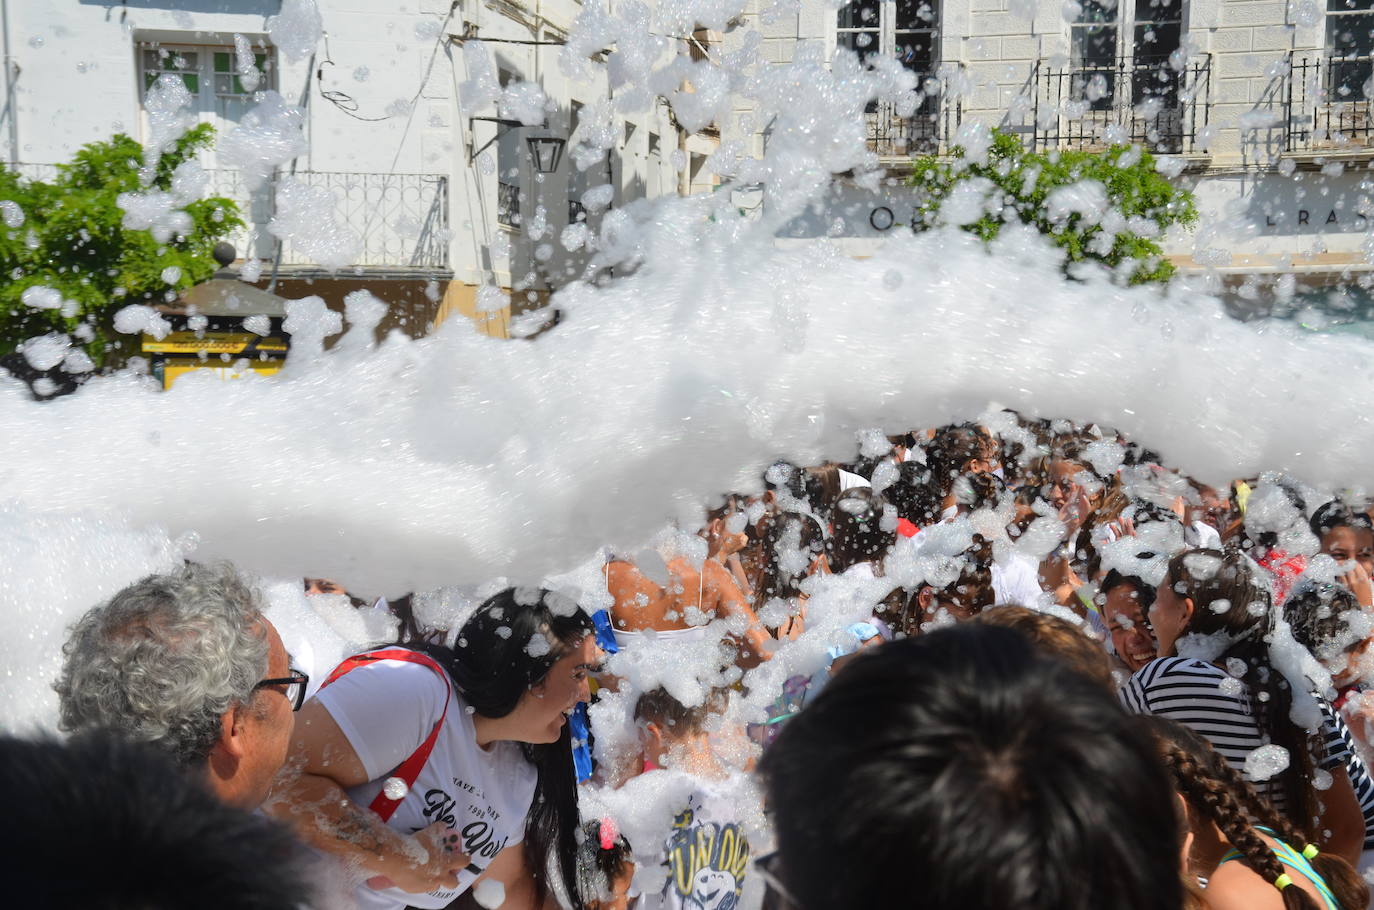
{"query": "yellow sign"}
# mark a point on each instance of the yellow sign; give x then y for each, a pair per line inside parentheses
(171, 369)
(213, 343)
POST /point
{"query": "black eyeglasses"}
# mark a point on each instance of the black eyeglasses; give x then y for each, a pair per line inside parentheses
(296, 685)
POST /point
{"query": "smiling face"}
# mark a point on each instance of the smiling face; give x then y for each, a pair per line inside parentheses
(1126, 621)
(1214, 506)
(1345, 543)
(542, 711)
(1062, 481)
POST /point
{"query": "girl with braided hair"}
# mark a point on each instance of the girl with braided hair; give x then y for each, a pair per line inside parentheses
(1265, 864)
(1214, 620)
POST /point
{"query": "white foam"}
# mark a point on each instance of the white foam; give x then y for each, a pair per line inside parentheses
(306, 218)
(297, 29)
(267, 137)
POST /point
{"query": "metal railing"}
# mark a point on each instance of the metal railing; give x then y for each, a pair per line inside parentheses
(1157, 103)
(402, 219)
(928, 130)
(1327, 103)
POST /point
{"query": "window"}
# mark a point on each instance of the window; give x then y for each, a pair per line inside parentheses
(1350, 42)
(1102, 51)
(859, 28)
(1093, 40)
(1158, 33)
(508, 142)
(219, 97)
(906, 30)
(507, 204)
(210, 73)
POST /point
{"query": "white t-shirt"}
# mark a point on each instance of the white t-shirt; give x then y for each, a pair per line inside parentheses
(1017, 581)
(849, 480)
(1201, 534)
(386, 710)
(707, 854)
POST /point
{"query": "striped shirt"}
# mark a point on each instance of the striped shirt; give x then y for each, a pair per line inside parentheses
(1196, 694)
(1360, 778)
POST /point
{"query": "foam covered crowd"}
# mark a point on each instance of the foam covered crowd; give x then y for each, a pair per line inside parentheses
(1015, 663)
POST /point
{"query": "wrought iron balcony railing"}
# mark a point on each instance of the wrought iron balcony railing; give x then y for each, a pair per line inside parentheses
(1161, 103)
(402, 219)
(1328, 103)
(929, 129)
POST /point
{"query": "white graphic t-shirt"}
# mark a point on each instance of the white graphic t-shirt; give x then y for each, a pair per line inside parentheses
(707, 854)
(386, 710)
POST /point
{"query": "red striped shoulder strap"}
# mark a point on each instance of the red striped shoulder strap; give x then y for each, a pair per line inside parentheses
(409, 769)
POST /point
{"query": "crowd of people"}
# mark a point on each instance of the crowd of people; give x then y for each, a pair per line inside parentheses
(1013, 663)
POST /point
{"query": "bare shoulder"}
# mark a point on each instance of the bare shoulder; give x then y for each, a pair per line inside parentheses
(1235, 886)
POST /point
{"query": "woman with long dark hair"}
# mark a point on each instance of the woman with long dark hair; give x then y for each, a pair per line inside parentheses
(429, 769)
(1236, 697)
(793, 544)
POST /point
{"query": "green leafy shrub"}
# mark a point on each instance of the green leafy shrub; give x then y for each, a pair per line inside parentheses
(1020, 186)
(72, 239)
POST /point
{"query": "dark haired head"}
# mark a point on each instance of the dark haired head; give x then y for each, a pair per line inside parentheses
(965, 597)
(149, 837)
(978, 491)
(506, 646)
(857, 535)
(915, 494)
(957, 450)
(1320, 615)
(509, 644)
(1145, 592)
(1269, 540)
(1337, 514)
(961, 767)
(1228, 592)
(822, 485)
(603, 861)
(791, 542)
(658, 707)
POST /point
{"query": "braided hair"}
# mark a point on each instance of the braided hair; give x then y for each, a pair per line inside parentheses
(1219, 794)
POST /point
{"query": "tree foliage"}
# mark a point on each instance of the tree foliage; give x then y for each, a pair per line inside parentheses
(1109, 206)
(70, 235)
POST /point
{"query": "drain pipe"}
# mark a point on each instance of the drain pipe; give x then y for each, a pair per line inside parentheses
(11, 70)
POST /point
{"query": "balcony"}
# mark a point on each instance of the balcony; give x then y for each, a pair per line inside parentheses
(1328, 106)
(928, 131)
(402, 219)
(1147, 102)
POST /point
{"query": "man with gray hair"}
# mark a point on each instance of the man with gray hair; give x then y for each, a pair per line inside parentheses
(187, 661)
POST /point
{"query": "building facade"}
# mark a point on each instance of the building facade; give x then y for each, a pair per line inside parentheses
(445, 194)
(1263, 104)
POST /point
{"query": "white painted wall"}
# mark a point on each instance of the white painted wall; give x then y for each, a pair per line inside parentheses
(77, 82)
